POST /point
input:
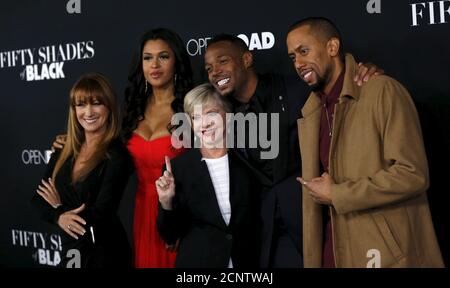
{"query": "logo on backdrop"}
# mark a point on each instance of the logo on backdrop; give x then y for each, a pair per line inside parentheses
(46, 62)
(430, 13)
(254, 41)
(47, 247)
(35, 157)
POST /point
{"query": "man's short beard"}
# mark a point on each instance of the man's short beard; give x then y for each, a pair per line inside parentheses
(227, 94)
(319, 86)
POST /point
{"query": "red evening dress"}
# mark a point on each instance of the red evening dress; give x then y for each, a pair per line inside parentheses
(148, 158)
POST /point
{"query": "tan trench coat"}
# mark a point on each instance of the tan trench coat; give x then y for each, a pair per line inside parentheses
(378, 162)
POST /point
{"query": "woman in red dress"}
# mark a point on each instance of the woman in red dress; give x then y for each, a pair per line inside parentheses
(159, 78)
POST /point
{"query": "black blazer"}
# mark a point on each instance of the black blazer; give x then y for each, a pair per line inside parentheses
(205, 240)
(101, 191)
(281, 193)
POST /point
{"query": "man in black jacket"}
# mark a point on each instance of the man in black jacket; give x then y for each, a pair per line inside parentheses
(229, 65)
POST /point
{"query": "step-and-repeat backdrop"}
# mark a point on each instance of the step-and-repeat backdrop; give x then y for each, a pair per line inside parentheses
(46, 45)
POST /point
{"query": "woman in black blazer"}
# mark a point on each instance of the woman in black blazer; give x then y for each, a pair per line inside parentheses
(208, 197)
(84, 182)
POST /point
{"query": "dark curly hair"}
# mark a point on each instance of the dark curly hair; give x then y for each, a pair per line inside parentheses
(135, 95)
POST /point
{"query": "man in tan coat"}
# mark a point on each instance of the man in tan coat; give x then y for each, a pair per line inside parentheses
(363, 160)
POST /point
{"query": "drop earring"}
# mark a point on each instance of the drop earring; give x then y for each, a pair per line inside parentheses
(146, 86)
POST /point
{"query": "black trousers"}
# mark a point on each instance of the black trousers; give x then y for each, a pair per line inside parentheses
(282, 212)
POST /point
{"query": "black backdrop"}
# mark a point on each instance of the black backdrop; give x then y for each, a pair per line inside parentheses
(411, 47)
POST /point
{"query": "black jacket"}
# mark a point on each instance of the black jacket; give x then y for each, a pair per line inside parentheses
(101, 191)
(281, 195)
(205, 239)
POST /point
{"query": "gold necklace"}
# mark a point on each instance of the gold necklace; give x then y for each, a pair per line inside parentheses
(328, 120)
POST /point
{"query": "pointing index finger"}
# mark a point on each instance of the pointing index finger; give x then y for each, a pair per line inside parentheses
(302, 181)
(168, 166)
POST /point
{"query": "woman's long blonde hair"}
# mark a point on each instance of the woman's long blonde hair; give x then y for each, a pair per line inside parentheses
(89, 87)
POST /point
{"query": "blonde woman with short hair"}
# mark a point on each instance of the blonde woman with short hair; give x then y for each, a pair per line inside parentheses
(208, 197)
